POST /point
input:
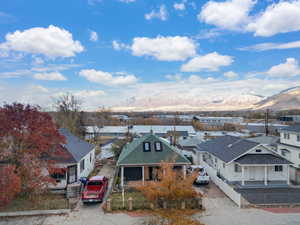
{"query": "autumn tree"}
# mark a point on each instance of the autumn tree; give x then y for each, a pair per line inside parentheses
(69, 115)
(27, 136)
(171, 185)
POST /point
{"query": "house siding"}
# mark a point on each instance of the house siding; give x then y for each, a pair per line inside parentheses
(88, 165)
(254, 173)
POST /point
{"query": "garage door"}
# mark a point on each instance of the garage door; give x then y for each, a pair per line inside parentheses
(133, 173)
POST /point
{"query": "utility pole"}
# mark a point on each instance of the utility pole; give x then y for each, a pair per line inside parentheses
(267, 122)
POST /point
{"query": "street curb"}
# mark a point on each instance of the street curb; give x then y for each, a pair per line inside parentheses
(35, 213)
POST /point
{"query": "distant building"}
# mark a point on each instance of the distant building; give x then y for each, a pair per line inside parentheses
(184, 118)
(159, 130)
(219, 121)
(260, 128)
(121, 117)
(290, 118)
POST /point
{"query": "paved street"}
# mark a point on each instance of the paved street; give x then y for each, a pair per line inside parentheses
(219, 211)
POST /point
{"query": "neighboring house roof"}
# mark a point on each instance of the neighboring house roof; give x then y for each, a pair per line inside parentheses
(190, 141)
(77, 147)
(133, 153)
(262, 159)
(177, 133)
(227, 148)
(267, 140)
(293, 128)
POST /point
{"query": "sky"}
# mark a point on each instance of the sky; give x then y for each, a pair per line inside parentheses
(141, 53)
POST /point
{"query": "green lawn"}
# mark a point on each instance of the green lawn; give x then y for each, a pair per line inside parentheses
(41, 202)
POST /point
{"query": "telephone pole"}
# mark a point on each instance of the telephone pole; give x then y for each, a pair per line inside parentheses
(267, 122)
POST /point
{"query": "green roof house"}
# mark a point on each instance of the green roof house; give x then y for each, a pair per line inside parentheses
(140, 159)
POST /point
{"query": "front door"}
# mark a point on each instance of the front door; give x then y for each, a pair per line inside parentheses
(72, 174)
(252, 173)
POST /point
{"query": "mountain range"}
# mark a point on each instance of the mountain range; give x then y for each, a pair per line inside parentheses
(285, 100)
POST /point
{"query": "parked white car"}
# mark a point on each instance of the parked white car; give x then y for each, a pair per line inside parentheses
(202, 177)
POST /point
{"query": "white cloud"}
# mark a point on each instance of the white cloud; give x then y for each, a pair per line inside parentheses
(282, 17)
(271, 46)
(127, 1)
(49, 76)
(164, 48)
(179, 6)
(89, 93)
(231, 74)
(208, 62)
(234, 15)
(15, 74)
(161, 14)
(93, 36)
(288, 69)
(52, 42)
(231, 14)
(37, 60)
(106, 78)
(208, 34)
(119, 45)
(173, 76)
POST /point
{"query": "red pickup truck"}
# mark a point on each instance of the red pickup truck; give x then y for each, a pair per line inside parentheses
(95, 189)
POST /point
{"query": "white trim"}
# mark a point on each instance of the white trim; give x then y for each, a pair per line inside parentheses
(245, 153)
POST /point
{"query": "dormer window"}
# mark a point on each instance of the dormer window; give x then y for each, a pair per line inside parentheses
(158, 146)
(258, 150)
(147, 146)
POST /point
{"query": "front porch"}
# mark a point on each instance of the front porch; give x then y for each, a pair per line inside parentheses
(262, 170)
(144, 173)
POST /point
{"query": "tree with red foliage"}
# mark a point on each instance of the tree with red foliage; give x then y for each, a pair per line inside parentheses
(28, 139)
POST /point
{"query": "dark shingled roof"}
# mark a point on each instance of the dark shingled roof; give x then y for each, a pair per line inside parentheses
(294, 128)
(227, 147)
(262, 159)
(76, 147)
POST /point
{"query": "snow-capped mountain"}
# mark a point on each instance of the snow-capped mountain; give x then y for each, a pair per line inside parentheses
(285, 100)
(190, 103)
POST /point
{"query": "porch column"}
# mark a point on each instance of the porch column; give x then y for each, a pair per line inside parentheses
(122, 176)
(266, 175)
(243, 175)
(288, 174)
(184, 171)
(143, 174)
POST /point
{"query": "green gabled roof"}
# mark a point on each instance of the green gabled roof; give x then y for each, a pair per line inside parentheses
(133, 153)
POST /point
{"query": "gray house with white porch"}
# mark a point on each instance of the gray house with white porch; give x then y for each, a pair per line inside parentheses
(244, 163)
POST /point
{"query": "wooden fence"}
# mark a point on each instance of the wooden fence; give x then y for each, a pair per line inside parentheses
(138, 204)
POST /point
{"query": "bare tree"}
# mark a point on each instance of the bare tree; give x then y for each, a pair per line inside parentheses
(69, 115)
